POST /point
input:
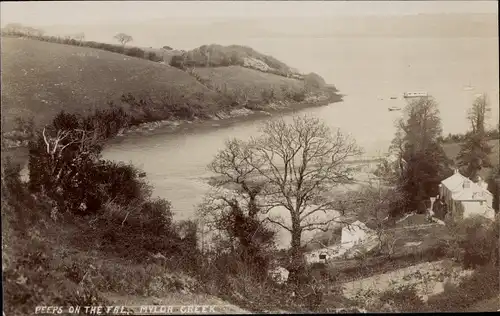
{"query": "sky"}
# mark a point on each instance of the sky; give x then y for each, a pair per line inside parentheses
(45, 13)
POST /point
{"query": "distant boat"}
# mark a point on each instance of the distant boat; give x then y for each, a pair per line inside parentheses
(394, 98)
(409, 95)
(469, 87)
(394, 108)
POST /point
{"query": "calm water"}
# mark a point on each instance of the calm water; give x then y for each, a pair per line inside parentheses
(366, 69)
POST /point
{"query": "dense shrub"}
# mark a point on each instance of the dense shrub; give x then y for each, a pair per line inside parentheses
(482, 284)
(135, 231)
(493, 181)
(172, 106)
(457, 138)
(476, 242)
(135, 52)
(38, 278)
(402, 299)
(64, 159)
(313, 80)
(177, 61)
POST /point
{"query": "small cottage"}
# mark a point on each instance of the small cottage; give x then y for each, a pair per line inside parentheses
(464, 198)
(355, 233)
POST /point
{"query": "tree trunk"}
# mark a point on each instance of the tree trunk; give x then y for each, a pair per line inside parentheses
(296, 264)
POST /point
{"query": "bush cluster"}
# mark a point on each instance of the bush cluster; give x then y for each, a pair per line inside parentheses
(476, 242)
(482, 284)
(119, 220)
(458, 138)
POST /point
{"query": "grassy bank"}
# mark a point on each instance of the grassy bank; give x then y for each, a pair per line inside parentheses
(40, 79)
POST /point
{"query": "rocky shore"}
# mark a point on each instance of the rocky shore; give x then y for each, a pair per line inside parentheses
(229, 117)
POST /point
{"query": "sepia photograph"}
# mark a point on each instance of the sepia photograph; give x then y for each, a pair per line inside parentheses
(249, 157)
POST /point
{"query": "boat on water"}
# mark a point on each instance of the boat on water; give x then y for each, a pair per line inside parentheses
(469, 87)
(394, 108)
(394, 98)
(409, 95)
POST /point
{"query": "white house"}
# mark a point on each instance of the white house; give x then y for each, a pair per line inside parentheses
(464, 198)
(354, 234)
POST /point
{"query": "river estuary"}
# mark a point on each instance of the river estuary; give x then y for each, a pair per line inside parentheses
(375, 71)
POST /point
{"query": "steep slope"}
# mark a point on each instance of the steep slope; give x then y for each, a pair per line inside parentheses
(39, 79)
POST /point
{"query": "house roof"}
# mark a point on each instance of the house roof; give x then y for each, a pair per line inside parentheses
(455, 184)
(357, 224)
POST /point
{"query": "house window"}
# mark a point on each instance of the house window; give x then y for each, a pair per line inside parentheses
(322, 256)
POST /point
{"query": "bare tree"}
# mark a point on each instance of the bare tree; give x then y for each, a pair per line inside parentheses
(123, 38)
(291, 166)
(475, 150)
(397, 148)
(85, 141)
(235, 214)
(478, 113)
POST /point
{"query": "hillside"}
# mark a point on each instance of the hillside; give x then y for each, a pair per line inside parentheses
(41, 79)
(253, 82)
(218, 55)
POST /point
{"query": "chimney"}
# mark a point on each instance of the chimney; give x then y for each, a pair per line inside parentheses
(466, 184)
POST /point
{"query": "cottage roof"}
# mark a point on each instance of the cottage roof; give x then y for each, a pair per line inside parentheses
(357, 224)
(461, 192)
(455, 182)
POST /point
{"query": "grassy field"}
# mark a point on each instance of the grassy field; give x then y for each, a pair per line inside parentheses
(452, 150)
(249, 80)
(39, 79)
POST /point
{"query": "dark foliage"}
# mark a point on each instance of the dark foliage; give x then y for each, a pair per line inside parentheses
(482, 284)
(494, 187)
(171, 106)
(64, 160)
(477, 242)
(421, 176)
(474, 155)
(458, 138)
(404, 299)
(253, 238)
(177, 61)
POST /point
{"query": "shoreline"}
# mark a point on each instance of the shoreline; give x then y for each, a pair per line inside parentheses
(218, 120)
(19, 154)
